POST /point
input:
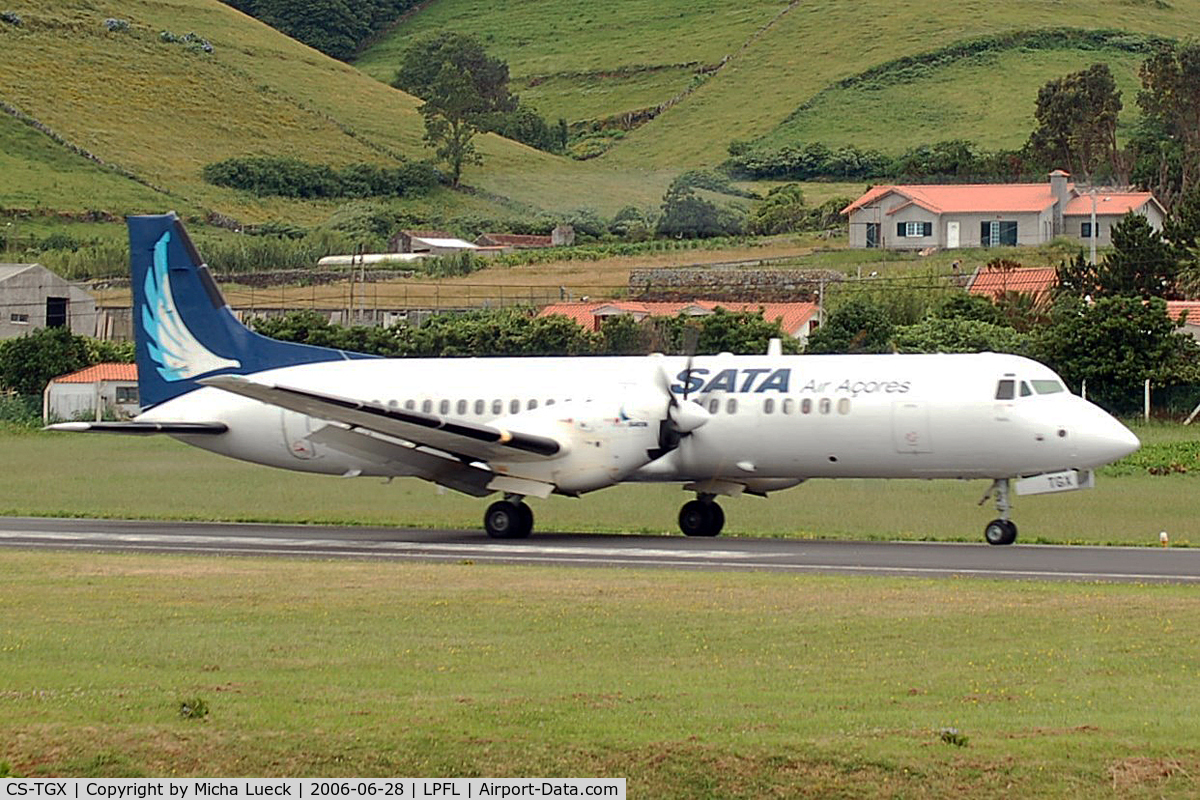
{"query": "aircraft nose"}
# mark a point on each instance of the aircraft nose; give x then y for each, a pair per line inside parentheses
(1106, 440)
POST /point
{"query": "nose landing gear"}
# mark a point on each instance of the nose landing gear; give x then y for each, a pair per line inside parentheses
(1002, 530)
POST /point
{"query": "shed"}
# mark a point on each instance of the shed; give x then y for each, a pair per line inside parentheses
(92, 392)
(33, 297)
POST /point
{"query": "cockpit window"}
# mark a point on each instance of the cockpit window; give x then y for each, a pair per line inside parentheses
(1006, 389)
(1047, 387)
(1025, 390)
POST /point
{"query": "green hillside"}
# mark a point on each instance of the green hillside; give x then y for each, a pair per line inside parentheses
(743, 69)
(160, 111)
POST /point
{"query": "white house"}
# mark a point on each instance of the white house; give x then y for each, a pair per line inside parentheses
(91, 393)
(33, 297)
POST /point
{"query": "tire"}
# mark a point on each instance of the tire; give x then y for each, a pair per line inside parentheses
(1000, 532)
(505, 520)
(698, 518)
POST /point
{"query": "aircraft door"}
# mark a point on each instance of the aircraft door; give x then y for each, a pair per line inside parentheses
(910, 427)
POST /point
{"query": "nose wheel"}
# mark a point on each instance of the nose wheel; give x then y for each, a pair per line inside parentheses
(1002, 530)
(508, 519)
(701, 517)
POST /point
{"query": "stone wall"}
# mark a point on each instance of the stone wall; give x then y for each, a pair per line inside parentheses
(731, 284)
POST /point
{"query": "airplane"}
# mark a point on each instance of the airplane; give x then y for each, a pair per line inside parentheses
(720, 425)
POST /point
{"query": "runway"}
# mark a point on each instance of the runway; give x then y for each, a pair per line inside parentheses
(927, 559)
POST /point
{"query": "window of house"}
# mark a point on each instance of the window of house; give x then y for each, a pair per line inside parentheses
(1085, 230)
(127, 395)
(18, 319)
(872, 234)
(997, 232)
(913, 230)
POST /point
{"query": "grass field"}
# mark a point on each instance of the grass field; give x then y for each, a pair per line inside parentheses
(159, 478)
(689, 684)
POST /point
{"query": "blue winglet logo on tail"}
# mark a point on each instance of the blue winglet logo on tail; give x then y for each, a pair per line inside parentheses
(178, 354)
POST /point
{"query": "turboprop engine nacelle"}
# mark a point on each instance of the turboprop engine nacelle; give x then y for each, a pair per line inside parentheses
(604, 441)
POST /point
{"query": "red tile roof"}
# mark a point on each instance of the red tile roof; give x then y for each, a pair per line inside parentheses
(1037, 281)
(101, 372)
(1175, 309)
(515, 240)
(791, 316)
(966, 198)
(1108, 203)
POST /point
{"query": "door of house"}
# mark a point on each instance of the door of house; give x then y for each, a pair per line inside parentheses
(872, 234)
(951, 235)
(56, 312)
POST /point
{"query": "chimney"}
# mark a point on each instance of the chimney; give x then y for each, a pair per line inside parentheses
(1058, 188)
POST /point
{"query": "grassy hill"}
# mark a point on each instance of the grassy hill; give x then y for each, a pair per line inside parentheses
(159, 111)
(739, 71)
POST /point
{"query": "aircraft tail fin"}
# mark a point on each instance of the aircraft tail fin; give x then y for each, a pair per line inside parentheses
(183, 327)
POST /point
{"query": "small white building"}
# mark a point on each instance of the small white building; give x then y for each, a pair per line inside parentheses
(92, 393)
(33, 297)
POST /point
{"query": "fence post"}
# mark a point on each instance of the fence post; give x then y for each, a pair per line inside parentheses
(1083, 389)
(1147, 401)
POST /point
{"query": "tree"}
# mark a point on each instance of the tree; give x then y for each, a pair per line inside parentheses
(28, 363)
(1077, 122)
(1171, 95)
(1115, 344)
(959, 335)
(857, 326)
(782, 211)
(1182, 230)
(1141, 263)
(686, 215)
(423, 63)
(448, 126)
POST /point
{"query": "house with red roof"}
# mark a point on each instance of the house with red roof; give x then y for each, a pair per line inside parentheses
(948, 216)
(92, 392)
(797, 320)
(993, 283)
(1189, 311)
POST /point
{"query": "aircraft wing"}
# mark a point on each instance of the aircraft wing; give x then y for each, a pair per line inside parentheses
(467, 440)
(141, 428)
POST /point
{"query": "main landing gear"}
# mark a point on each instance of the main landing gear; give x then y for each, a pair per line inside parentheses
(509, 518)
(1002, 530)
(701, 517)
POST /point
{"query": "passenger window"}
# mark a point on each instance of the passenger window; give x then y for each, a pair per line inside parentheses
(1025, 390)
(731, 405)
(825, 405)
(427, 406)
(769, 406)
(550, 402)
(714, 406)
(788, 405)
(1006, 389)
(844, 405)
(532, 404)
(514, 406)
(806, 406)
(497, 406)
(460, 407)
(444, 407)
(479, 407)
(410, 404)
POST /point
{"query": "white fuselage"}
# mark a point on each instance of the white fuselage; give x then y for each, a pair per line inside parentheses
(773, 418)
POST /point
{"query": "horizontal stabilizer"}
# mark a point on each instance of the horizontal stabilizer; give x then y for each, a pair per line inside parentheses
(140, 428)
(460, 437)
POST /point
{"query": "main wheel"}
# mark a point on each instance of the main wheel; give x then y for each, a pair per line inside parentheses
(505, 520)
(1000, 531)
(698, 518)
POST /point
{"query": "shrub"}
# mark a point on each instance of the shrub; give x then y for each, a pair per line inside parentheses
(194, 708)
(116, 25)
(290, 177)
(11, 17)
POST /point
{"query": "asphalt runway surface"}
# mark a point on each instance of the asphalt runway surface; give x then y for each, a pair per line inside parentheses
(925, 559)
